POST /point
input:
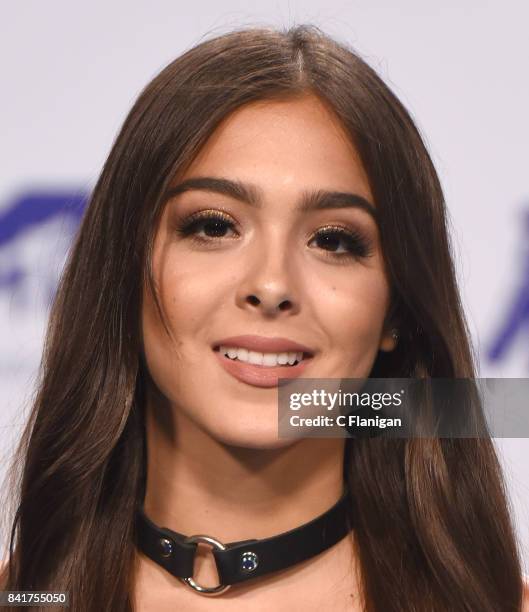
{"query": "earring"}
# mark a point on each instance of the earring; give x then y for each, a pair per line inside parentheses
(395, 334)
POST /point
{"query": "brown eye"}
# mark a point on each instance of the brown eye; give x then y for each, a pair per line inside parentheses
(340, 242)
(212, 228)
(213, 224)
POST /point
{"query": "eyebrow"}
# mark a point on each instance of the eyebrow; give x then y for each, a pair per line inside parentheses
(253, 195)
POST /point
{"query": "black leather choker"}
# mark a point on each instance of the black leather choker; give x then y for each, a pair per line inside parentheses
(245, 559)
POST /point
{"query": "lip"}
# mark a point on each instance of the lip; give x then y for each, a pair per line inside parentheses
(263, 344)
(257, 375)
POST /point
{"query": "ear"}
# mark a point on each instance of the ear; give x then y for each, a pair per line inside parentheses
(390, 328)
(389, 339)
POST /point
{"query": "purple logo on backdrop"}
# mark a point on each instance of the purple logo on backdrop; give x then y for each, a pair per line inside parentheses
(23, 228)
(516, 319)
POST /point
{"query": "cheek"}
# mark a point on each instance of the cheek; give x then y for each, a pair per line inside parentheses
(353, 309)
(189, 297)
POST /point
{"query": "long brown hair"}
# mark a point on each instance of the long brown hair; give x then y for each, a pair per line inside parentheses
(431, 517)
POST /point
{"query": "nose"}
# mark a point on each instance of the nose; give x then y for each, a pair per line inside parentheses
(268, 285)
(269, 304)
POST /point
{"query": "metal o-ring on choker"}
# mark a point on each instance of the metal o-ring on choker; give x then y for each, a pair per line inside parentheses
(189, 580)
(240, 561)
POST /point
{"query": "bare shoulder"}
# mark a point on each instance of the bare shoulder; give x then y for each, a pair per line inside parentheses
(525, 601)
(3, 578)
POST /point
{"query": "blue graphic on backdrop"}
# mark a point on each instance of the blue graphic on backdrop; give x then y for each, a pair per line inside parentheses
(27, 216)
(516, 319)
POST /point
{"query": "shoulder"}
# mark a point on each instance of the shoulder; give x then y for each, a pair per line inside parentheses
(525, 599)
(3, 578)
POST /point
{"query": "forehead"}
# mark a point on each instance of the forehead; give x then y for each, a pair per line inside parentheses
(283, 142)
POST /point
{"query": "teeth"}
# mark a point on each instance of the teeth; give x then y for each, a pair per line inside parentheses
(270, 360)
(255, 358)
(282, 358)
(263, 359)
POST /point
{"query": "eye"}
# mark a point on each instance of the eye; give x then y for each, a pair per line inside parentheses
(214, 224)
(354, 244)
(209, 226)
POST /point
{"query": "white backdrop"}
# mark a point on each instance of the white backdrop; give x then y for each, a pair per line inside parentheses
(71, 72)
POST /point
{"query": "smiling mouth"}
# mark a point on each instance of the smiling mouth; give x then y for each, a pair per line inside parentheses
(283, 359)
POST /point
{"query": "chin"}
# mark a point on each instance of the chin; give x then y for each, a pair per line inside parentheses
(254, 438)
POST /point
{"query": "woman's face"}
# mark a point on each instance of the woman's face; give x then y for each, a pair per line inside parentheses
(227, 267)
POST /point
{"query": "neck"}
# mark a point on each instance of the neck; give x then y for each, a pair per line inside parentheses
(196, 484)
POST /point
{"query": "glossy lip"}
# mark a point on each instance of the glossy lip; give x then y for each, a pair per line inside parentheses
(263, 344)
(258, 375)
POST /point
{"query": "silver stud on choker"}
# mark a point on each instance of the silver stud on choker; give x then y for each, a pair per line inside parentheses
(249, 561)
(245, 559)
(166, 547)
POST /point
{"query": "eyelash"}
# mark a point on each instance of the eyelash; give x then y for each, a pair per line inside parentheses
(358, 246)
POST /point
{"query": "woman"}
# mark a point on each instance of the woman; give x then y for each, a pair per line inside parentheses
(268, 200)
